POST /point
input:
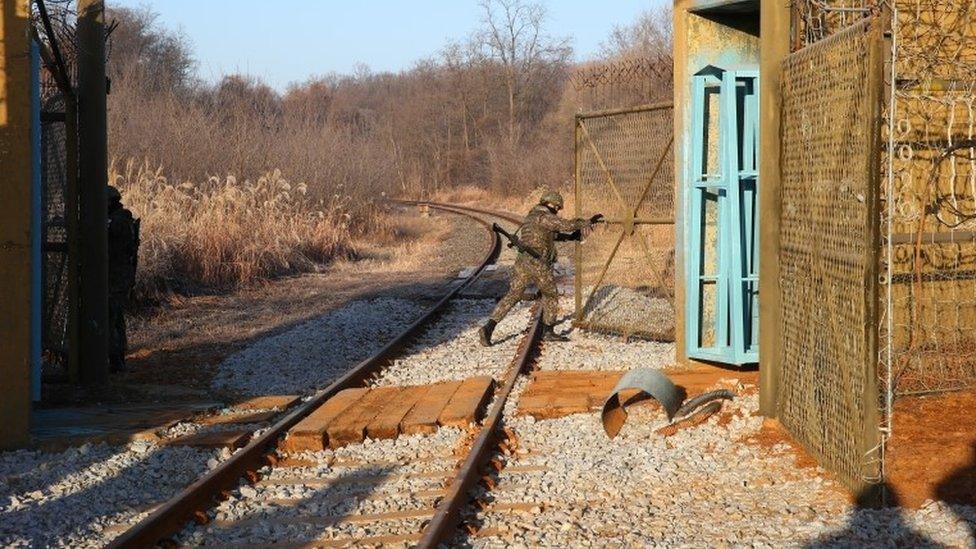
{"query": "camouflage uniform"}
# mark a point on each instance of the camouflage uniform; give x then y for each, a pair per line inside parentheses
(123, 249)
(539, 233)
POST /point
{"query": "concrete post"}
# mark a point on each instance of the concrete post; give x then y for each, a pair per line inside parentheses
(775, 46)
(93, 175)
(15, 223)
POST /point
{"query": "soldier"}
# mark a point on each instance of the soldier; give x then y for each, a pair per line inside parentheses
(537, 254)
(123, 253)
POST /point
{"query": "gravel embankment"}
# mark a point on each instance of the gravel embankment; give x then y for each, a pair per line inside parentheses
(315, 352)
(450, 348)
(361, 479)
(83, 497)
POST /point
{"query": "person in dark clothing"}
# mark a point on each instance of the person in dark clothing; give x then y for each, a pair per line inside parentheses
(123, 253)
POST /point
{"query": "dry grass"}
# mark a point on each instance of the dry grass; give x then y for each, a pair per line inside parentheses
(226, 233)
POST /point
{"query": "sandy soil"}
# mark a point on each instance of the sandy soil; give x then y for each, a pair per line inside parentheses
(174, 350)
(932, 452)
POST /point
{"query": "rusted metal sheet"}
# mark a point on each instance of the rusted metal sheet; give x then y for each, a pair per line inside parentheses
(652, 382)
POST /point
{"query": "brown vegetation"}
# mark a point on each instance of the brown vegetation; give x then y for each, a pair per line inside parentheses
(492, 112)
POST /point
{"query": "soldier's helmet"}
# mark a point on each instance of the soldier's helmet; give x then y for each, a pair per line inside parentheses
(553, 199)
(112, 194)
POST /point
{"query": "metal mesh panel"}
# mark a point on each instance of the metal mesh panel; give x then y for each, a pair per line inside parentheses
(828, 256)
(625, 269)
(930, 212)
(54, 177)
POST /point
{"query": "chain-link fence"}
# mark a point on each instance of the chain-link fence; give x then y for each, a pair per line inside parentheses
(930, 214)
(625, 269)
(54, 178)
(919, 332)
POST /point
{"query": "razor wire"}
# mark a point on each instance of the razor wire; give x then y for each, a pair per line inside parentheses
(930, 215)
(625, 82)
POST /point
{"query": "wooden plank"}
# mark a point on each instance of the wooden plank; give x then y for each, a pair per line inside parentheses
(215, 439)
(468, 402)
(281, 402)
(350, 426)
(424, 415)
(310, 433)
(227, 419)
(387, 423)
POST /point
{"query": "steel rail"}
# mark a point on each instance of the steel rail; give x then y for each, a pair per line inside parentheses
(457, 208)
(171, 517)
(448, 514)
(447, 517)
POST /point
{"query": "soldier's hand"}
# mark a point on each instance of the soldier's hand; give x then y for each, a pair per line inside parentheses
(596, 219)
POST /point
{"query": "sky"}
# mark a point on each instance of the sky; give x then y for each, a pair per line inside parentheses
(285, 41)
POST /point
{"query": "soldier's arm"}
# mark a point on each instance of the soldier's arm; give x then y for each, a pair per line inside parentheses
(557, 224)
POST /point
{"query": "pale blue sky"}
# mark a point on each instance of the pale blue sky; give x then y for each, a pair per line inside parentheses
(284, 41)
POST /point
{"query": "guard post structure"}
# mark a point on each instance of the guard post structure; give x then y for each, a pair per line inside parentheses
(15, 223)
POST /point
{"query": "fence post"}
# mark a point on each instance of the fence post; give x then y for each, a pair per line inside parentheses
(93, 210)
(775, 46)
(15, 223)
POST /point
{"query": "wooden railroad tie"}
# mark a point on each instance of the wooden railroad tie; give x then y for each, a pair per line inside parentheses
(386, 412)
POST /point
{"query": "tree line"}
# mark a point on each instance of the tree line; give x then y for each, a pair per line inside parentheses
(492, 111)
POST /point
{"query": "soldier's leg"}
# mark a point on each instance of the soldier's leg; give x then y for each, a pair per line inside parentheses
(550, 296)
(520, 280)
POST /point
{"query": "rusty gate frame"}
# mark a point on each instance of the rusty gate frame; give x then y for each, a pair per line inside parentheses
(626, 215)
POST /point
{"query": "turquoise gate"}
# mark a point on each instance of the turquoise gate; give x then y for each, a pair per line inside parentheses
(722, 261)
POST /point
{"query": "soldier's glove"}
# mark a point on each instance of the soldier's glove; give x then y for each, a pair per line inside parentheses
(598, 218)
(567, 237)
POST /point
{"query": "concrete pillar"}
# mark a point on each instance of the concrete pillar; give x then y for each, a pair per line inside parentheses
(15, 224)
(775, 46)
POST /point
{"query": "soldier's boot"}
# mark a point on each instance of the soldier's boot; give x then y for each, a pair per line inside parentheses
(485, 332)
(549, 334)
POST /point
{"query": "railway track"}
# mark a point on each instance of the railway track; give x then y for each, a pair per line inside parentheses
(344, 495)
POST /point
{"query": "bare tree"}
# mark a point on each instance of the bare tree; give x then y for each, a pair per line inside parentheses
(514, 35)
(648, 36)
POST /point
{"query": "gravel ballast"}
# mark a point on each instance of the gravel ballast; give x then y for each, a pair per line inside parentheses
(704, 486)
(317, 351)
(450, 348)
(84, 496)
(377, 476)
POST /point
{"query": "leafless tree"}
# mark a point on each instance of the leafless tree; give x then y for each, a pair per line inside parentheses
(514, 35)
(649, 36)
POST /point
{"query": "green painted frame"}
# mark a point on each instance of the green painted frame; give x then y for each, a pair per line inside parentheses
(736, 188)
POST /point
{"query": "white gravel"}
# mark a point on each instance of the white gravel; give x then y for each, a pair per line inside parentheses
(83, 497)
(370, 480)
(701, 487)
(629, 311)
(317, 351)
(451, 350)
